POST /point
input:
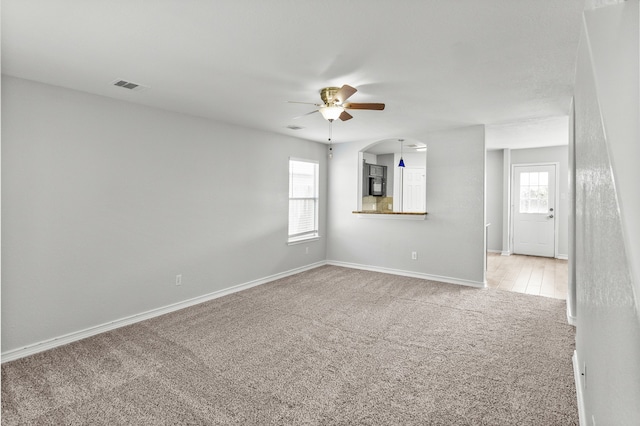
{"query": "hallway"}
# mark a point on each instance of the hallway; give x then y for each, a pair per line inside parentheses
(540, 276)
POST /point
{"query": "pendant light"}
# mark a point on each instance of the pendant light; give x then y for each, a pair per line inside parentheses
(401, 163)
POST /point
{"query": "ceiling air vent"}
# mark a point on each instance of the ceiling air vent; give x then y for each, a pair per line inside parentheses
(415, 145)
(129, 85)
(292, 127)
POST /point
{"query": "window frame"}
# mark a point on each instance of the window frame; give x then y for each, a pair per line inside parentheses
(540, 190)
(314, 234)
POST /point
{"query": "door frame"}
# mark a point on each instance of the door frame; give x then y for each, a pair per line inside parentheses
(556, 203)
(402, 181)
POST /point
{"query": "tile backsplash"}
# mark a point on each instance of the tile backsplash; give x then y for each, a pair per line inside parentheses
(377, 204)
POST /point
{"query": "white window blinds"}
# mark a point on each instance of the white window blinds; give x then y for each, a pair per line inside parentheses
(303, 199)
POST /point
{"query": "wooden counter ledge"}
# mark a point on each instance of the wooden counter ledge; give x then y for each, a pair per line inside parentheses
(391, 213)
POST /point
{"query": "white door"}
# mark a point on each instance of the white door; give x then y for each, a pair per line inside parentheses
(413, 189)
(534, 215)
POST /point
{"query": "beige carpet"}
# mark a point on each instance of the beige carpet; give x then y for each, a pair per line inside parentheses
(331, 346)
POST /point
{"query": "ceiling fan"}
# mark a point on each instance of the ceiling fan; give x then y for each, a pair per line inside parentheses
(334, 105)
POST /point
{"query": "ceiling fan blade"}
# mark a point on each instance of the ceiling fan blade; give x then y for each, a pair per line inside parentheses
(304, 115)
(373, 106)
(307, 103)
(344, 93)
(345, 116)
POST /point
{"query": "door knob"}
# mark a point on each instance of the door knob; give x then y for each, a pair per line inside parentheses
(550, 216)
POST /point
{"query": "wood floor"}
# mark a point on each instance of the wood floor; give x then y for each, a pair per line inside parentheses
(542, 276)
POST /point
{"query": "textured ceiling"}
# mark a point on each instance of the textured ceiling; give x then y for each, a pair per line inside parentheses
(436, 64)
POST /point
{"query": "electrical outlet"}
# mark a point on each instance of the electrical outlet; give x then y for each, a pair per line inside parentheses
(179, 279)
(414, 255)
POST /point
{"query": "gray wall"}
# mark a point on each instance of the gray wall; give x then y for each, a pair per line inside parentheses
(494, 191)
(607, 213)
(554, 154)
(450, 242)
(104, 202)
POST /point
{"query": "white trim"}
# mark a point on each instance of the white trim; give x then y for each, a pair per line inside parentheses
(91, 331)
(301, 240)
(360, 178)
(577, 377)
(562, 256)
(305, 160)
(506, 202)
(494, 251)
(570, 318)
(306, 234)
(468, 283)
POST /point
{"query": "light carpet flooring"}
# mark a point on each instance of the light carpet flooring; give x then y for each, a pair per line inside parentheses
(330, 346)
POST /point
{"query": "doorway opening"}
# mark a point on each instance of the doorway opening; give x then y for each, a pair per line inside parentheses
(392, 177)
(534, 212)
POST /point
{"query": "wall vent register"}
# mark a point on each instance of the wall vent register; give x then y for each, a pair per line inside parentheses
(129, 85)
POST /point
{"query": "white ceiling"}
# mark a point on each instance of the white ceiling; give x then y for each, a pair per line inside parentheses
(436, 64)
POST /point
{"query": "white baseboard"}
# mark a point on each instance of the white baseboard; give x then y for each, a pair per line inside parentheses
(562, 256)
(494, 251)
(91, 331)
(578, 378)
(468, 283)
(506, 253)
(572, 320)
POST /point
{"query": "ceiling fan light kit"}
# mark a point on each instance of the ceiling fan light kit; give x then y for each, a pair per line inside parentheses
(331, 113)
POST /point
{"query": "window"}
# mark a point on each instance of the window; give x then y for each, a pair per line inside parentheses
(534, 192)
(303, 200)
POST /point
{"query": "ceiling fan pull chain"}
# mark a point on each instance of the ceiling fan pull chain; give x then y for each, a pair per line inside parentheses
(330, 136)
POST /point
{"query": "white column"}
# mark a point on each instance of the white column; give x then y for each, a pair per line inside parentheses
(506, 202)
